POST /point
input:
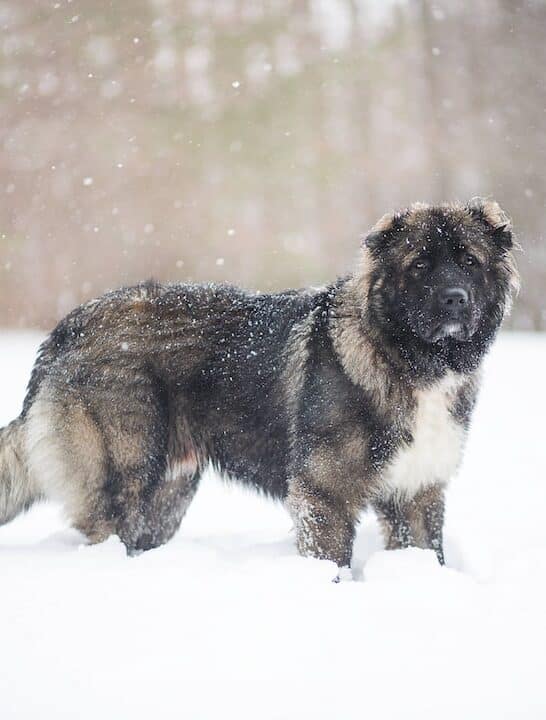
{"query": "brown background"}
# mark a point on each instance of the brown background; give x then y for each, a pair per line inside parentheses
(254, 141)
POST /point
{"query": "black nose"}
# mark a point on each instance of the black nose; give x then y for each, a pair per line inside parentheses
(453, 298)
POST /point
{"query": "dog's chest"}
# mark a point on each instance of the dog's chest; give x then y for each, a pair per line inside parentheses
(435, 451)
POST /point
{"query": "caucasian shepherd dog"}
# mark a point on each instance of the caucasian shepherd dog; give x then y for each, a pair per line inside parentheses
(333, 400)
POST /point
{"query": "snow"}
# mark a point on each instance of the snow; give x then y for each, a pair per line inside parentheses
(227, 621)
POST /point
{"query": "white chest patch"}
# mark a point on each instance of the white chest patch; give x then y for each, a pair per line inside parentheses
(435, 452)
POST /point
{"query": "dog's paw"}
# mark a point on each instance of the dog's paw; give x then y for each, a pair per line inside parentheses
(344, 574)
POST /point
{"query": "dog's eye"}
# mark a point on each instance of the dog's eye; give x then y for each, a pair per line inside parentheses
(420, 265)
(469, 259)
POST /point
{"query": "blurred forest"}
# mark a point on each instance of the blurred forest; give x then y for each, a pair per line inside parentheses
(255, 141)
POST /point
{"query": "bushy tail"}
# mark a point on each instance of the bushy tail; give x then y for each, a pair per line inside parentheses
(17, 493)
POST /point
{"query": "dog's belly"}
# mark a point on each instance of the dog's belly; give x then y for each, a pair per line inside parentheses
(435, 452)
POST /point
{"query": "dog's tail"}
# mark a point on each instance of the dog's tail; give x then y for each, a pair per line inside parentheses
(17, 492)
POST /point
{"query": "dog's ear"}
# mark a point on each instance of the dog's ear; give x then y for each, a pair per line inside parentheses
(491, 213)
(379, 235)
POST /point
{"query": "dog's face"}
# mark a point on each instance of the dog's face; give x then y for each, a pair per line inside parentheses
(444, 273)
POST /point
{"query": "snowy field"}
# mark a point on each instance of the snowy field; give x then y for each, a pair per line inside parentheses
(227, 621)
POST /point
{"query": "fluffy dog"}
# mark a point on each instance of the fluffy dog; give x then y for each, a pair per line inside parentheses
(333, 400)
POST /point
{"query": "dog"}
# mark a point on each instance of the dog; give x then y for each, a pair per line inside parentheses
(353, 396)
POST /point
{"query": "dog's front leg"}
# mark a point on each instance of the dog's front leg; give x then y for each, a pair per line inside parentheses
(323, 523)
(394, 516)
(431, 502)
(415, 521)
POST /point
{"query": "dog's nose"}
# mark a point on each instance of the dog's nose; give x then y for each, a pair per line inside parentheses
(453, 298)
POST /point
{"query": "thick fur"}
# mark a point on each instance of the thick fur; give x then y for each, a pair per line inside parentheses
(333, 400)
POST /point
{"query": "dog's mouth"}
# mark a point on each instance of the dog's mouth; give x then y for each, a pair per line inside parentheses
(438, 328)
(442, 331)
(454, 329)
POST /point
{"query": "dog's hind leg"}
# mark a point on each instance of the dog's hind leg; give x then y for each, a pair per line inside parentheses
(152, 477)
(135, 433)
(108, 460)
(164, 508)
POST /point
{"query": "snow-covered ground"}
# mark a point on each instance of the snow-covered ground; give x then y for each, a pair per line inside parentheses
(227, 621)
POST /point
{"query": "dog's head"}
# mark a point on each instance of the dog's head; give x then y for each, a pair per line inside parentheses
(446, 273)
